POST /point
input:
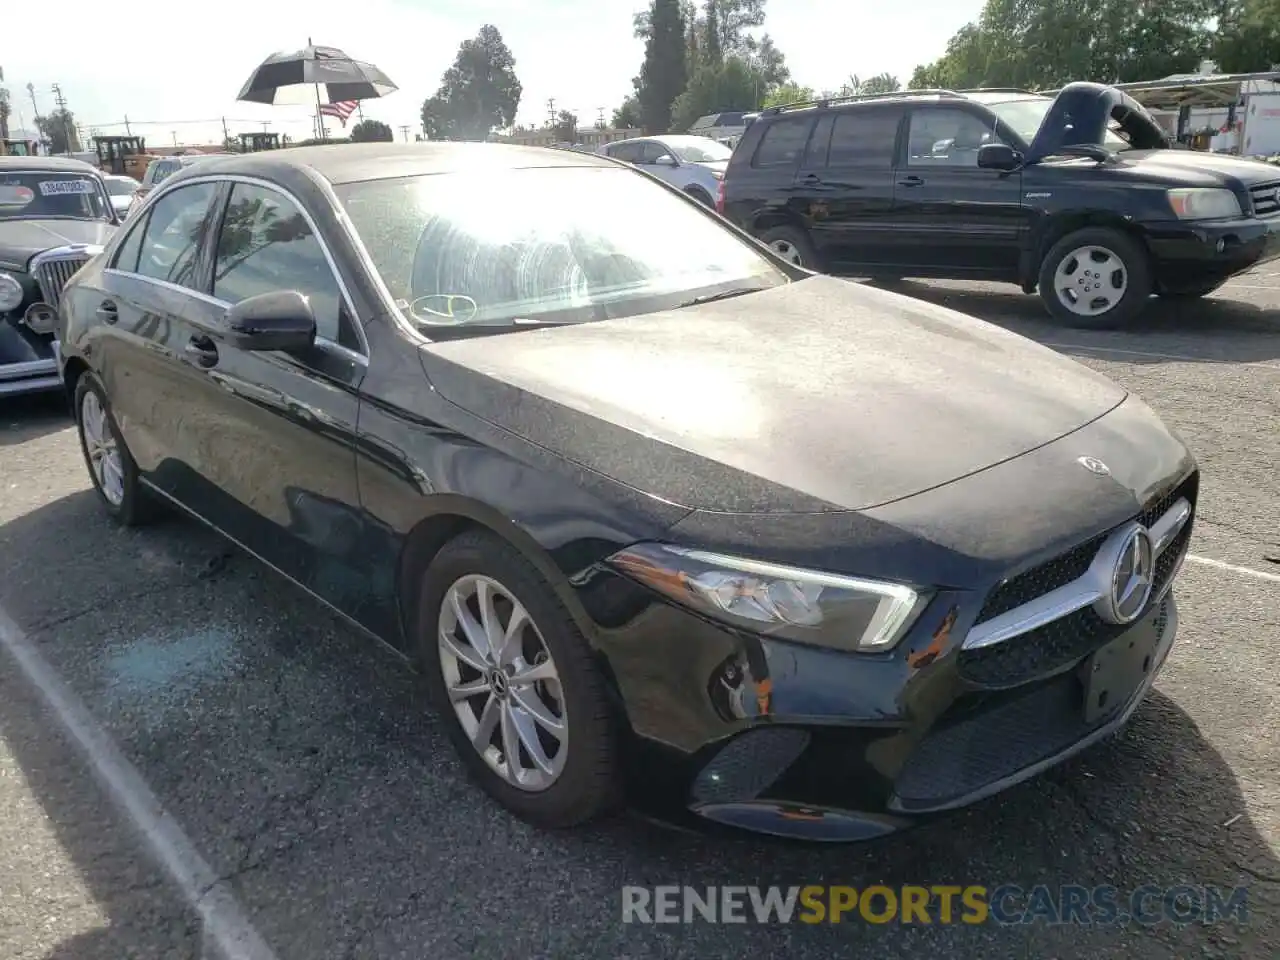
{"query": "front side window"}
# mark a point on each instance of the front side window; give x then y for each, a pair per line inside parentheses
(175, 230)
(653, 152)
(947, 137)
(44, 195)
(503, 251)
(700, 150)
(266, 244)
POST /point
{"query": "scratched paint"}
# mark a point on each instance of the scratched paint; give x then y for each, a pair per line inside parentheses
(156, 672)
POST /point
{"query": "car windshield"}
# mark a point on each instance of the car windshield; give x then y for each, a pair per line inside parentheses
(119, 187)
(42, 194)
(699, 150)
(510, 248)
(1026, 115)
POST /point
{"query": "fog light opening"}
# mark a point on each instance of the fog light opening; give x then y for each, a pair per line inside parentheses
(41, 318)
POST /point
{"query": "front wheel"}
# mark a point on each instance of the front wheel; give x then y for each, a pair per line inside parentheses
(513, 678)
(1096, 279)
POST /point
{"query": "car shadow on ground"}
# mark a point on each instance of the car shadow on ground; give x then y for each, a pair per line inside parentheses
(314, 774)
(1220, 329)
(29, 416)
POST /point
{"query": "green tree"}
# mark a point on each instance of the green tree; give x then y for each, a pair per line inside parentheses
(566, 126)
(59, 128)
(733, 85)
(881, 83)
(663, 74)
(627, 116)
(478, 94)
(1248, 35)
(711, 53)
(769, 60)
(788, 93)
(369, 131)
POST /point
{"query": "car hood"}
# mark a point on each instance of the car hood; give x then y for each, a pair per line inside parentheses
(716, 166)
(20, 240)
(1194, 166)
(817, 396)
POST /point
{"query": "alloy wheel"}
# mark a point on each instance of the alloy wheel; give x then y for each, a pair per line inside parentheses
(102, 449)
(1090, 280)
(787, 251)
(503, 683)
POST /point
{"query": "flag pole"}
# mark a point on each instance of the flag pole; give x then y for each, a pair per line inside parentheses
(319, 116)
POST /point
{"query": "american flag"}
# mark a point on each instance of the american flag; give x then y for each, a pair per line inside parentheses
(342, 109)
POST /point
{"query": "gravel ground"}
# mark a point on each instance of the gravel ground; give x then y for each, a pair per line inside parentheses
(302, 761)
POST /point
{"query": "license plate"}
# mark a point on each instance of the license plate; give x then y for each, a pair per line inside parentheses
(1113, 673)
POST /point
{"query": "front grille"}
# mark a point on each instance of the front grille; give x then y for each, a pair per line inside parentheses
(52, 275)
(1056, 645)
(1266, 199)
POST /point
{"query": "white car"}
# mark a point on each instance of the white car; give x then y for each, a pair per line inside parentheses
(121, 190)
(693, 164)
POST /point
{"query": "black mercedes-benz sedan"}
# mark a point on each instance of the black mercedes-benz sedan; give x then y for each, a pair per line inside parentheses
(659, 516)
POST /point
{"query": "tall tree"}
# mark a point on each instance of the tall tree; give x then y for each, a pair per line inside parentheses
(663, 73)
(566, 126)
(788, 93)
(711, 53)
(1248, 35)
(479, 93)
(733, 85)
(881, 83)
(369, 131)
(627, 116)
(59, 128)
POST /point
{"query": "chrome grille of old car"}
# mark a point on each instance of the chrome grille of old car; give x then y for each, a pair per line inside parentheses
(1266, 199)
(53, 268)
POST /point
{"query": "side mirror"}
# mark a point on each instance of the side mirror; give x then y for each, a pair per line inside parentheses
(666, 160)
(998, 156)
(279, 320)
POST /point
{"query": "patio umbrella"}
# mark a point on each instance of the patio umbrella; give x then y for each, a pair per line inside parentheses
(316, 75)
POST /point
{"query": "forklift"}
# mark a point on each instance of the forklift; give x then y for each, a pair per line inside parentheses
(123, 156)
(262, 140)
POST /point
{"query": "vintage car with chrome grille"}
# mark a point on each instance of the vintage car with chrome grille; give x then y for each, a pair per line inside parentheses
(55, 216)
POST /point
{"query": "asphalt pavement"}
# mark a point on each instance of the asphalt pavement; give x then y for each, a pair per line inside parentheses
(294, 767)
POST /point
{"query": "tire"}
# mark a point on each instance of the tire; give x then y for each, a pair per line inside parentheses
(1108, 270)
(586, 781)
(701, 196)
(1191, 293)
(111, 467)
(796, 243)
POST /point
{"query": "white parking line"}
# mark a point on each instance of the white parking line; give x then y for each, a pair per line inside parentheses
(1266, 364)
(228, 934)
(1234, 568)
(1252, 286)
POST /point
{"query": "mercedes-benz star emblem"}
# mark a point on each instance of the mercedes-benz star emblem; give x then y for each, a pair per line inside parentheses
(1132, 577)
(1094, 465)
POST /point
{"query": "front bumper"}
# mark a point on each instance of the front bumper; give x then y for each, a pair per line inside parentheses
(31, 376)
(1186, 253)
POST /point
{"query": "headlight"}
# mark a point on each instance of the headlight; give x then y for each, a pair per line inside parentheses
(1204, 203)
(10, 292)
(847, 613)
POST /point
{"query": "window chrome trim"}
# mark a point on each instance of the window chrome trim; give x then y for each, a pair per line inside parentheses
(161, 190)
(1092, 586)
(323, 342)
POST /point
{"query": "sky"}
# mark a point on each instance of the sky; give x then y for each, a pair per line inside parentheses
(175, 76)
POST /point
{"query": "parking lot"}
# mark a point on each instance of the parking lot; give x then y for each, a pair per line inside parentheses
(307, 785)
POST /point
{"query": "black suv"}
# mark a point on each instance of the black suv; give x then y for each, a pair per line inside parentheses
(1081, 196)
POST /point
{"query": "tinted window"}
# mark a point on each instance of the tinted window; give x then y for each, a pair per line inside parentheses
(816, 154)
(864, 138)
(653, 152)
(783, 142)
(532, 247)
(266, 244)
(946, 137)
(127, 252)
(628, 152)
(175, 228)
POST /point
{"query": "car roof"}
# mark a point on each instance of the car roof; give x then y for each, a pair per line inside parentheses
(353, 162)
(47, 164)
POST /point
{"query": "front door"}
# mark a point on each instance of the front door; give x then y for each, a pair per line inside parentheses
(959, 220)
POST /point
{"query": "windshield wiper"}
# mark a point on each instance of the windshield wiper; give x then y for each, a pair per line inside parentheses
(722, 295)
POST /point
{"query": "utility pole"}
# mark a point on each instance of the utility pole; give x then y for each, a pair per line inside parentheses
(600, 118)
(128, 131)
(404, 130)
(551, 111)
(69, 134)
(175, 138)
(31, 89)
(226, 135)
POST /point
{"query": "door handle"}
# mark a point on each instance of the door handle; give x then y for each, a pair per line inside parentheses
(811, 178)
(202, 350)
(911, 181)
(107, 311)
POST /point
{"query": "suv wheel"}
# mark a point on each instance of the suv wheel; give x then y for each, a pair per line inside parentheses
(1096, 278)
(791, 244)
(513, 679)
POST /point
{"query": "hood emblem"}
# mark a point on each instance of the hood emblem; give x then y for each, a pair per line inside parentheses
(1094, 465)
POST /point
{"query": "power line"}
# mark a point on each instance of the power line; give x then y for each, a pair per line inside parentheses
(171, 123)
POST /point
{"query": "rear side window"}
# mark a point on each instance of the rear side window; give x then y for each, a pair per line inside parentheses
(815, 157)
(783, 142)
(864, 138)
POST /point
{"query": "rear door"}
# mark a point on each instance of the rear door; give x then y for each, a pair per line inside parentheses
(764, 189)
(847, 180)
(957, 220)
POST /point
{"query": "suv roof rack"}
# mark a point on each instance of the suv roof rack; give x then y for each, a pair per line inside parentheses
(997, 90)
(858, 98)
